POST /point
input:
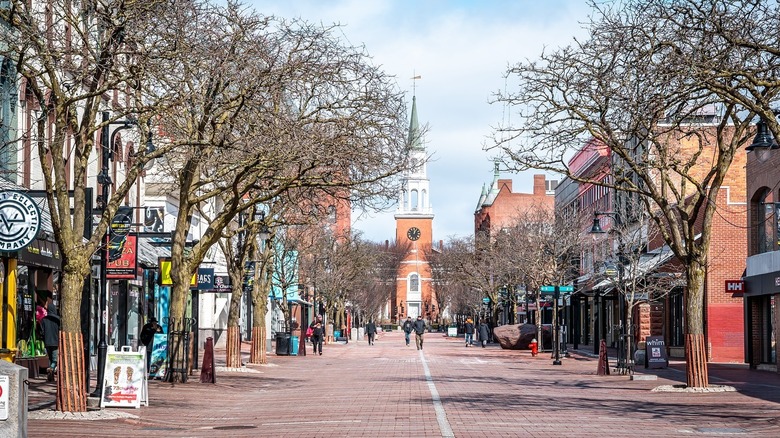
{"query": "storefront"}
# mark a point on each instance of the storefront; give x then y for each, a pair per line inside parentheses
(29, 263)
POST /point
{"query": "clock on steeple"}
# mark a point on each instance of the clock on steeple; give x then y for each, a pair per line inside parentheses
(413, 233)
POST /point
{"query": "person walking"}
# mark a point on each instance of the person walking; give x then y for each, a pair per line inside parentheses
(407, 328)
(51, 335)
(484, 333)
(469, 332)
(317, 333)
(419, 331)
(148, 331)
(371, 332)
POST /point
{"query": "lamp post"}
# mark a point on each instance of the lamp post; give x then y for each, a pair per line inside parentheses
(624, 345)
(763, 143)
(104, 179)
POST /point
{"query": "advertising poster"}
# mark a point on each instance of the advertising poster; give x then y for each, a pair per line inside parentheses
(159, 355)
(655, 353)
(125, 378)
(124, 266)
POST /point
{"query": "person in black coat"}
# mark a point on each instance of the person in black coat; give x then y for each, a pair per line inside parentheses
(419, 331)
(317, 333)
(484, 333)
(469, 332)
(407, 327)
(371, 332)
(51, 335)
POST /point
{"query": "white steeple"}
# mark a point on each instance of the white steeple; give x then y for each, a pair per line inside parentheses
(414, 199)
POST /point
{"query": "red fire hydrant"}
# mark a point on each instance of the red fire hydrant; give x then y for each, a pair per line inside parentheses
(534, 346)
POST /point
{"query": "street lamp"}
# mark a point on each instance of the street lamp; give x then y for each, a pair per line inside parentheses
(104, 179)
(763, 143)
(623, 342)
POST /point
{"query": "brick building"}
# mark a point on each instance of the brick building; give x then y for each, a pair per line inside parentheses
(595, 312)
(500, 207)
(762, 273)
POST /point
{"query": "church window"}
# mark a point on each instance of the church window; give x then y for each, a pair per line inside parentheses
(414, 283)
(415, 200)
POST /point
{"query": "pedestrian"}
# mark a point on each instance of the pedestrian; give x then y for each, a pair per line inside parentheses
(317, 333)
(484, 332)
(419, 331)
(148, 331)
(371, 331)
(407, 328)
(469, 332)
(51, 335)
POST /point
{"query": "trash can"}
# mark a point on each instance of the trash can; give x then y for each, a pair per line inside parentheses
(282, 344)
(294, 345)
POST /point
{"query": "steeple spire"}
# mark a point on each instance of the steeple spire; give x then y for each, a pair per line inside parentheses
(415, 140)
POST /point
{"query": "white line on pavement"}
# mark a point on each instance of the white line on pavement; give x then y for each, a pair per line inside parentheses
(441, 416)
(311, 422)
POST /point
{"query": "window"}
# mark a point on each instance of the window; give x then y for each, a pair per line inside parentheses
(414, 283)
(415, 200)
(766, 223)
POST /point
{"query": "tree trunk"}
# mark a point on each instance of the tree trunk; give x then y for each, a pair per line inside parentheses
(71, 387)
(695, 349)
(233, 350)
(257, 353)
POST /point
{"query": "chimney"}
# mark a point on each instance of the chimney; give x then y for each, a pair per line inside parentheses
(540, 188)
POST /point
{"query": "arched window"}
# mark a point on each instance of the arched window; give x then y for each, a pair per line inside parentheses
(415, 200)
(424, 200)
(765, 221)
(7, 109)
(414, 283)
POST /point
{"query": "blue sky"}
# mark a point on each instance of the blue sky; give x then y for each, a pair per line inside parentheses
(461, 49)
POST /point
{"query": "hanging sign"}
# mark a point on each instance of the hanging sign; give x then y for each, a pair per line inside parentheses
(20, 221)
(124, 268)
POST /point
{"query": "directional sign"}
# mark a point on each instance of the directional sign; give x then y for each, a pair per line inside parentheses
(561, 289)
(486, 300)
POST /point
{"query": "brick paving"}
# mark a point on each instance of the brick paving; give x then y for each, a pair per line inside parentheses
(357, 390)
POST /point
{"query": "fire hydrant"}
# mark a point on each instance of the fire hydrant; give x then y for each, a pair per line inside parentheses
(534, 346)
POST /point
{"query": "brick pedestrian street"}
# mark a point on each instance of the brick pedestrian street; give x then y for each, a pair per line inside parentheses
(390, 390)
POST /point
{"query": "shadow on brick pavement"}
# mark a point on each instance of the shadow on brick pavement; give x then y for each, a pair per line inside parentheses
(384, 390)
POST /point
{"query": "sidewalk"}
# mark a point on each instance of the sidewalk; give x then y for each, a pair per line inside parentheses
(390, 390)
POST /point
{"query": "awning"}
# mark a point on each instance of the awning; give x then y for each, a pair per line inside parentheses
(149, 252)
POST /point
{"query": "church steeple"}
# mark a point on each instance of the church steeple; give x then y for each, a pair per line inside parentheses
(414, 294)
(414, 139)
(414, 199)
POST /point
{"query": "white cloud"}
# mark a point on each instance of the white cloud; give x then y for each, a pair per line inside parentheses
(461, 49)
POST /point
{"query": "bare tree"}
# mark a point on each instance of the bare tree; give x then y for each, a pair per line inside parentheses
(641, 84)
(76, 60)
(274, 107)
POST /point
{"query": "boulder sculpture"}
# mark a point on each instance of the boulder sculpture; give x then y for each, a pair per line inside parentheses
(518, 337)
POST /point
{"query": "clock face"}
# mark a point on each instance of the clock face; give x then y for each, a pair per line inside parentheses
(413, 233)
